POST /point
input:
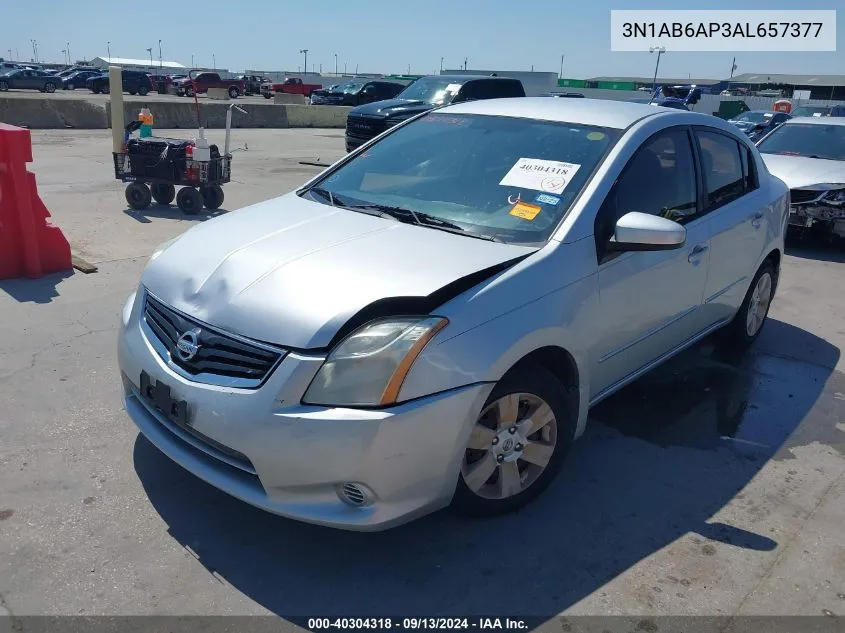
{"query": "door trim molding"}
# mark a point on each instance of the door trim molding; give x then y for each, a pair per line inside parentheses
(719, 293)
(651, 332)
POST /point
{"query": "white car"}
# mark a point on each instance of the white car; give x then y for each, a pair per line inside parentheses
(429, 320)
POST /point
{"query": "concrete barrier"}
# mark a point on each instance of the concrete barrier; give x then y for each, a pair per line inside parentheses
(284, 98)
(218, 93)
(53, 113)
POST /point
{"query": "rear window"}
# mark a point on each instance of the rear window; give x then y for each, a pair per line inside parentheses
(806, 139)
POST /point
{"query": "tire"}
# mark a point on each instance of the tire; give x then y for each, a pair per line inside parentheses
(212, 197)
(95, 89)
(133, 92)
(234, 92)
(267, 95)
(70, 86)
(498, 452)
(143, 90)
(189, 91)
(163, 194)
(4, 86)
(739, 334)
(50, 87)
(138, 195)
(189, 200)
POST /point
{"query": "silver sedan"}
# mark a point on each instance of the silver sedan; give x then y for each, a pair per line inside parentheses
(428, 321)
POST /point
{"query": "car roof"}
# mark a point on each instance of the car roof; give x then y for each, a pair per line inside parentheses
(598, 112)
(817, 120)
(466, 78)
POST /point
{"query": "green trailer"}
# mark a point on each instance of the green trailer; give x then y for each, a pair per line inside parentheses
(730, 109)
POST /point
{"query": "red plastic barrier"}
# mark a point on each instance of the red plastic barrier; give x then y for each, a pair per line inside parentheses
(29, 245)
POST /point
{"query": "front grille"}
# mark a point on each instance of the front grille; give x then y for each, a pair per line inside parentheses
(238, 361)
(802, 196)
(365, 127)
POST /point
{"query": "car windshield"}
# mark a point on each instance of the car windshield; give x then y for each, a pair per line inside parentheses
(348, 88)
(433, 90)
(754, 117)
(810, 111)
(806, 139)
(503, 178)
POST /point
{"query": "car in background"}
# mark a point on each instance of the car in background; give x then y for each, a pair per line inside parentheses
(818, 111)
(6, 67)
(460, 293)
(365, 122)
(203, 81)
(291, 86)
(356, 93)
(28, 80)
(79, 78)
(134, 82)
(757, 123)
(318, 96)
(252, 84)
(808, 154)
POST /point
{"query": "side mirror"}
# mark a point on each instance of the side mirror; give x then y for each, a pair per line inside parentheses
(637, 231)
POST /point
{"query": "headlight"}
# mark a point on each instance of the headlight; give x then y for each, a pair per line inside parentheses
(127, 308)
(369, 366)
(835, 195)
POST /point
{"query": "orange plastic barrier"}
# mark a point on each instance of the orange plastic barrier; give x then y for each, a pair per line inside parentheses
(782, 105)
(30, 246)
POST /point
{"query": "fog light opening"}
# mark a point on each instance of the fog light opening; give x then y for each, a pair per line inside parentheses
(355, 495)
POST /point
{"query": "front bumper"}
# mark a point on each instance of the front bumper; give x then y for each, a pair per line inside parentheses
(808, 215)
(265, 448)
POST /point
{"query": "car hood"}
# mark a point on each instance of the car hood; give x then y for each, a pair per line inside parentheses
(800, 171)
(292, 271)
(390, 107)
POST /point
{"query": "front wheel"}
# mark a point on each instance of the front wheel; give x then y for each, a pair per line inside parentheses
(516, 445)
(163, 193)
(212, 197)
(4, 86)
(70, 86)
(143, 90)
(138, 196)
(95, 90)
(267, 95)
(234, 93)
(189, 200)
(50, 87)
(745, 327)
(189, 92)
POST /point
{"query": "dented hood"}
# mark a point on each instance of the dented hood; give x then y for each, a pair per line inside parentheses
(292, 271)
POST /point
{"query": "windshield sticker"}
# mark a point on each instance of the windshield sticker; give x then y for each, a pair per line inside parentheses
(595, 136)
(550, 176)
(544, 198)
(525, 210)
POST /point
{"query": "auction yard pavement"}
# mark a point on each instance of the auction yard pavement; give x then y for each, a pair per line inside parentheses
(714, 486)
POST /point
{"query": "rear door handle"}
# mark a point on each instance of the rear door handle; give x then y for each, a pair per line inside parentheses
(696, 252)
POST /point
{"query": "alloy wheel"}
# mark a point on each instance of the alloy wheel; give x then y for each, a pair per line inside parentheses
(758, 306)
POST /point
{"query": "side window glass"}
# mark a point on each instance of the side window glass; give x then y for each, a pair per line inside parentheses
(748, 172)
(723, 173)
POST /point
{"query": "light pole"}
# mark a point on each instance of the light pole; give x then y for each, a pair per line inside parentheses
(64, 55)
(159, 57)
(304, 51)
(441, 65)
(214, 61)
(192, 60)
(150, 51)
(34, 51)
(409, 69)
(344, 68)
(660, 50)
(69, 58)
(562, 57)
(108, 50)
(10, 53)
(335, 64)
(465, 63)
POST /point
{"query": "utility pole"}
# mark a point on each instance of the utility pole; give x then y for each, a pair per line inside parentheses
(159, 57)
(69, 58)
(335, 64)
(108, 50)
(660, 50)
(465, 63)
(344, 68)
(561, 65)
(409, 69)
(214, 61)
(304, 51)
(34, 51)
(192, 60)
(733, 68)
(150, 51)
(441, 65)
(64, 55)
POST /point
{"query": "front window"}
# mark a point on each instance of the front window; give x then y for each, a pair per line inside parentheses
(806, 139)
(502, 178)
(433, 90)
(349, 88)
(811, 111)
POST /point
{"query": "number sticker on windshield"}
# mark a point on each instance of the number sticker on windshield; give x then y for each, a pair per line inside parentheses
(550, 176)
(525, 210)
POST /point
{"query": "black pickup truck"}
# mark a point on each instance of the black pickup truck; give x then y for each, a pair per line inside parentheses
(426, 93)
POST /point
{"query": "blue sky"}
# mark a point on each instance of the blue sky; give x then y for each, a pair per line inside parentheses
(492, 34)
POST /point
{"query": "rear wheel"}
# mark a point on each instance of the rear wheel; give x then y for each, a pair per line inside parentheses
(143, 90)
(189, 200)
(133, 92)
(267, 95)
(745, 327)
(163, 193)
(517, 444)
(189, 91)
(50, 87)
(234, 92)
(138, 195)
(70, 86)
(212, 197)
(4, 86)
(95, 89)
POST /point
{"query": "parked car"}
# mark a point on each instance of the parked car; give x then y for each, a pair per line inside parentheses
(79, 78)
(318, 96)
(6, 67)
(757, 123)
(460, 292)
(355, 93)
(808, 154)
(73, 69)
(368, 121)
(252, 84)
(28, 80)
(201, 82)
(134, 82)
(817, 111)
(291, 85)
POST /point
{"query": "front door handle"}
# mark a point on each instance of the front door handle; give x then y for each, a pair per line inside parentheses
(756, 218)
(695, 253)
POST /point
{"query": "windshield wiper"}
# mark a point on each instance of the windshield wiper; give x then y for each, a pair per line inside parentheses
(325, 193)
(425, 219)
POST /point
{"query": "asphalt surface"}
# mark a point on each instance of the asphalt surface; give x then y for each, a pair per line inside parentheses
(713, 486)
